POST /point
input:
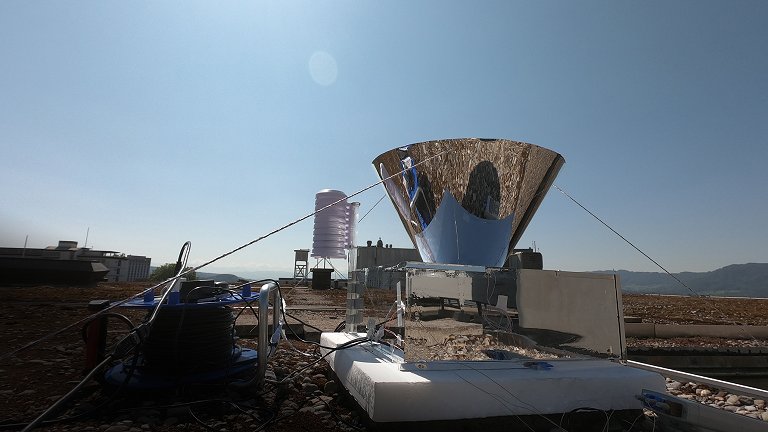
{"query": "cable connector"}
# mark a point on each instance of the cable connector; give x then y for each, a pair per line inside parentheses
(130, 341)
(400, 306)
(538, 365)
(661, 403)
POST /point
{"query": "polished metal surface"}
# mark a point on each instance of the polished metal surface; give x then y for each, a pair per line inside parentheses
(471, 204)
(465, 313)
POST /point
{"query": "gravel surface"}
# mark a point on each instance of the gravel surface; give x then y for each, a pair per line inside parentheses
(303, 393)
(698, 342)
(665, 309)
(720, 399)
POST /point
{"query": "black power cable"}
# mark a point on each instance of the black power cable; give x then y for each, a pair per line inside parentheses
(340, 326)
(67, 397)
(121, 317)
(181, 262)
(165, 327)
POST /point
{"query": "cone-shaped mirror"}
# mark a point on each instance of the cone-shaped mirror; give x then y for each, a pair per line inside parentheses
(471, 204)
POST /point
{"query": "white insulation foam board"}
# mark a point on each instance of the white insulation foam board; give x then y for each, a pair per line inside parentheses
(393, 391)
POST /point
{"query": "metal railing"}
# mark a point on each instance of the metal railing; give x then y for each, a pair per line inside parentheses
(716, 383)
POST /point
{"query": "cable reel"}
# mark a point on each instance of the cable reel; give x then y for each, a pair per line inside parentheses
(190, 339)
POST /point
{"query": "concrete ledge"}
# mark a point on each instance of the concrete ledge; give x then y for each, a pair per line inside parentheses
(640, 330)
(649, 330)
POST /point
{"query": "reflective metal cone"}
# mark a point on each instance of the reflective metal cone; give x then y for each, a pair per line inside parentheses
(471, 204)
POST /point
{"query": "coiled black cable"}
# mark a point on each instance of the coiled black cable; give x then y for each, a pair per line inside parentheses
(190, 339)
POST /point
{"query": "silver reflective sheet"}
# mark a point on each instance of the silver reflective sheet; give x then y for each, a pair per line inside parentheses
(525, 314)
(469, 313)
(471, 204)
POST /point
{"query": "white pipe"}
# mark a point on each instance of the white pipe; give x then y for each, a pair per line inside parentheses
(264, 340)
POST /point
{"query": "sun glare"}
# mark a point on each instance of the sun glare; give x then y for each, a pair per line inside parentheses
(322, 68)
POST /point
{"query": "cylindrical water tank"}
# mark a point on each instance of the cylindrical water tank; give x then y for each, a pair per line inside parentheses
(352, 224)
(331, 225)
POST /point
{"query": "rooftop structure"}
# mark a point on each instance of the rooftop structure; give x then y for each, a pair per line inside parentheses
(121, 267)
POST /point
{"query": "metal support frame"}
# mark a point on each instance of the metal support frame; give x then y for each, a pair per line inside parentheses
(324, 261)
(682, 414)
(268, 290)
(300, 264)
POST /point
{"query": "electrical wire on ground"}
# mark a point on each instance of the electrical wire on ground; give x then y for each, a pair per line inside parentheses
(508, 403)
(345, 345)
(338, 419)
(121, 317)
(64, 399)
(40, 420)
(192, 414)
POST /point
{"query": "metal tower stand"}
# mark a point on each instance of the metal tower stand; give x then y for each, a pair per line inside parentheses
(300, 264)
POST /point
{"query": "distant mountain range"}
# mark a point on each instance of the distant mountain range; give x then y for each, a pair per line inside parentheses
(218, 277)
(737, 280)
(232, 278)
(248, 276)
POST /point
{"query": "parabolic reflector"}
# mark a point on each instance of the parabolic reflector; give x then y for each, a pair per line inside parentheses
(471, 204)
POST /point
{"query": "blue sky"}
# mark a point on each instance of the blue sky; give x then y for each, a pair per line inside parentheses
(153, 123)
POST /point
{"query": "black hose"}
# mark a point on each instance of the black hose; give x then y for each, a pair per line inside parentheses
(121, 317)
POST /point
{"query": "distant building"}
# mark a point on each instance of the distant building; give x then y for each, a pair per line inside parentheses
(380, 255)
(122, 267)
(367, 264)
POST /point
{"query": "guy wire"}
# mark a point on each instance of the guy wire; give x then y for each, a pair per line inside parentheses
(290, 224)
(371, 209)
(696, 294)
(627, 241)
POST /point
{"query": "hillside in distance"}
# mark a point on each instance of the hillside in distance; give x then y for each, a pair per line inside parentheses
(247, 276)
(737, 280)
